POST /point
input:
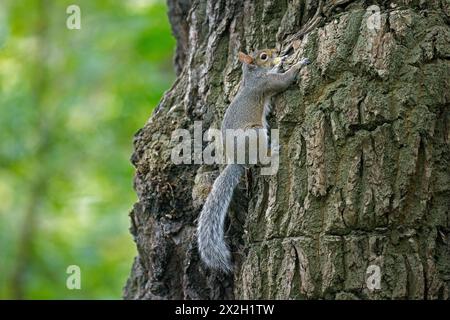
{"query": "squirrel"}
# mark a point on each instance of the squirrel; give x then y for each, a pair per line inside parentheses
(261, 79)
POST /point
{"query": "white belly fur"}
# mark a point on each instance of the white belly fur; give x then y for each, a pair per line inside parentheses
(267, 109)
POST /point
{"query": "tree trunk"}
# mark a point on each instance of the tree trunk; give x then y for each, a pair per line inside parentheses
(363, 189)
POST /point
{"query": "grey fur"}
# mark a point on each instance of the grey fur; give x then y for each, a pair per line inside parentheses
(247, 111)
(210, 234)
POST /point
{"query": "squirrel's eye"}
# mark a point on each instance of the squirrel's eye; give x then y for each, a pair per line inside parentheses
(263, 56)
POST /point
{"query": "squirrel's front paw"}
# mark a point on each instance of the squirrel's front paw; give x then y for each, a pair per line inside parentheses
(305, 61)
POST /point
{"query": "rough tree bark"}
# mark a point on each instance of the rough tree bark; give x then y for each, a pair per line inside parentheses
(364, 176)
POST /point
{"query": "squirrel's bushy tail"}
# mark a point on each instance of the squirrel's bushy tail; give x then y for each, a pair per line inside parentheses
(210, 235)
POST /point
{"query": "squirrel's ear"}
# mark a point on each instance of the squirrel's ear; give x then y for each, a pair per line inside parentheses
(245, 58)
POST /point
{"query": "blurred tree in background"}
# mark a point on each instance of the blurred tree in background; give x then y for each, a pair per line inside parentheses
(70, 102)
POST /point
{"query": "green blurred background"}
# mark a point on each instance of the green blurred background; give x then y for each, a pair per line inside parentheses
(70, 102)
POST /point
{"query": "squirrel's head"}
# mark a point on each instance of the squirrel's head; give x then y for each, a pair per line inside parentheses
(266, 58)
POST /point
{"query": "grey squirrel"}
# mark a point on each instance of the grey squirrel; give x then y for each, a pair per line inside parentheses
(248, 110)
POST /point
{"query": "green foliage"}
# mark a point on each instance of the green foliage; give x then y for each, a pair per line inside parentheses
(70, 102)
